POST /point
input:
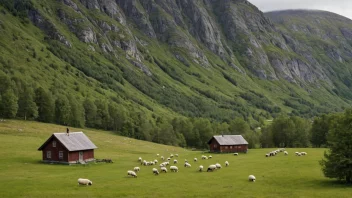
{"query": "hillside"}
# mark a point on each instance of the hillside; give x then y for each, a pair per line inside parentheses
(23, 175)
(131, 65)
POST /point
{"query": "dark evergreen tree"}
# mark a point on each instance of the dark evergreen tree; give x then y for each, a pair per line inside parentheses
(338, 159)
(45, 104)
(90, 112)
(9, 105)
(62, 110)
(76, 113)
(27, 107)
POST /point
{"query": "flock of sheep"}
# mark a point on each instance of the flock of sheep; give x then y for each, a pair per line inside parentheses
(163, 166)
(274, 153)
(174, 168)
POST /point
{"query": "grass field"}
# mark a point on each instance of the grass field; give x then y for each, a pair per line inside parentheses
(22, 174)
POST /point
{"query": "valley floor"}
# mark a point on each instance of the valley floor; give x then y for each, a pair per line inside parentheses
(23, 175)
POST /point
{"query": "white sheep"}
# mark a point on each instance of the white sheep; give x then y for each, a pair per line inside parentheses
(84, 182)
(176, 155)
(235, 154)
(195, 159)
(155, 171)
(145, 163)
(173, 169)
(163, 169)
(187, 165)
(267, 155)
(251, 178)
(303, 153)
(200, 168)
(227, 164)
(168, 159)
(204, 157)
(175, 161)
(285, 152)
(132, 173)
(218, 165)
(157, 154)
(136, 169)
(298, 154)
(210, 157)
(140, 159)
(162, 158)
(211, 168)
(171, 156)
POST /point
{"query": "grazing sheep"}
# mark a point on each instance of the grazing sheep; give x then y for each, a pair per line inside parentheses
(235, 154)
(298, 154)
(175, 161)
(163, 169)
(136, 169)
(84, 182)
(162, 158)
(285, 152)
(145, 163)
(200, 168)
(140, 159)
(267, 155)
(218, 165)
(171, 156)
(167, 163)
(303, 153)
(142, 163)
(187, 165)
(155, 171)
(195, 159)
(168, 159)
(251, 178)
(211, 168)
(173, 169)
(204, 157)
(227, 164)
(155, 161)
(132, 173)
(176, 155)
(210, 156)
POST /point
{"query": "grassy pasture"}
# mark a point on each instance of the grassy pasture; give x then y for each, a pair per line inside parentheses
(22, 174)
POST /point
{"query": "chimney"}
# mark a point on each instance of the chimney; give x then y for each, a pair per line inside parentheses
(68, 132)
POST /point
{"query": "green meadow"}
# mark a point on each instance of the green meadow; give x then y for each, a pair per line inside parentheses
(23, 175)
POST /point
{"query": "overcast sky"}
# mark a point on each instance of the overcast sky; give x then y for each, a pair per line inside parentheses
(341, 7)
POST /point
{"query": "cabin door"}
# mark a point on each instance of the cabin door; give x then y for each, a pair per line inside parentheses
(81, 156)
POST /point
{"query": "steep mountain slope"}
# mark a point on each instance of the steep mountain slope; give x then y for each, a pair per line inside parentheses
(195, 58)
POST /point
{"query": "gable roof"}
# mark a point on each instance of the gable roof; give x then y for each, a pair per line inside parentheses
(76, 141)
(229, 139)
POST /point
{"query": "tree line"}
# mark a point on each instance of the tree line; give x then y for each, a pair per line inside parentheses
(18, 99)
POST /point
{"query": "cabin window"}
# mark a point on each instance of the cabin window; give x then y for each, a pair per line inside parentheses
(239, 147)
(54, 143)
(226, 147)
(48, 154)
(230, 147)
(61, 154)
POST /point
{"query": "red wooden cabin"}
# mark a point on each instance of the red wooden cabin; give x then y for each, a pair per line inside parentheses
(228, 144)
(69, 148)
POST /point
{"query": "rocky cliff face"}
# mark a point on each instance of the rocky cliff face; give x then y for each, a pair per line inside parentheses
(233, 30)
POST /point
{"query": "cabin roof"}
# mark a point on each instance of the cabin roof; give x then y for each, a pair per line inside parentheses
(75, 141)
(229, 139)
